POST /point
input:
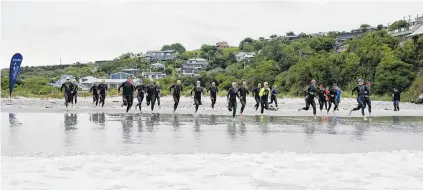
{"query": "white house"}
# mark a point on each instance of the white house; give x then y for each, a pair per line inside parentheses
(153, 75)
(87, 82)
(157, 66)
(193, 66)
(244, 56)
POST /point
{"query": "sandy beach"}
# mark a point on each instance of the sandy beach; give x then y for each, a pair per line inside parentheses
(287, 107)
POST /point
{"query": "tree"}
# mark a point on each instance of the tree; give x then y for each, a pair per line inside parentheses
(291, 33)
(241, 44)
(380, 27)
(273, 36)
(364, 27)
(176, 46)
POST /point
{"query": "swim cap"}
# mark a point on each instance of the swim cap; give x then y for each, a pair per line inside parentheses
(360, 80)
(178, 82)
(313, 81)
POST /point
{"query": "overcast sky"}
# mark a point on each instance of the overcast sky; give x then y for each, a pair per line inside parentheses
(44, 32)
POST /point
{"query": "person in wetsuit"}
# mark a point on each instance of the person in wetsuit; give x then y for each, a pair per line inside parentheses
(231, 97)
(338, 96)
(213, 93)
(75, 91)
(243, 95)
(151, 94)
(332, 98)
(362, 90)
(256, 92)
(197, 95)
(102, 88)
(69, 88)
(177, 90)
(396, 97)
(367, 101)
(322, 98)
(127, 93)
(273, 94)
(311, 93)
(94, 90)
(158, 93)
(264, 97)
(140, 95)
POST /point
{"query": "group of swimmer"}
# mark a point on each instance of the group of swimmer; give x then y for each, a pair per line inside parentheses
(152, 93)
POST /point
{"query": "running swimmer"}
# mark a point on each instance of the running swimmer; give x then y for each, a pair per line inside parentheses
(273, 97)
(338, 96)
(213, 92)
(127, 93)
(332, 98)
(256, 95)
(140, 96)
(309, 99)
(69, 88)
(198, 90)
(177, 90)
(94, 90)
(243, 95)
(362, 90)
(367, 101)
(264, 97)
(102, 88)
(151, 94)
(158, 92)
(231, 97)
(322, 98)
(396, 97)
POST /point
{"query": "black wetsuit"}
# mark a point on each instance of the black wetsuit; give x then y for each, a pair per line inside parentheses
(332, 99)
(127, 94)
(102, 88)
(396, 99)
(367, 101)
(151, 95)
(197, 96)
(94, 90)
(213, 93)
(273, 93)
(264, 99)
(309, 99)
(69, 88)
(75, 93)
(256, 95)
(140, 96)
(158, 90)
(232, 94)
(177, 90)
(322, 99)
(243, 97)
(361, 91)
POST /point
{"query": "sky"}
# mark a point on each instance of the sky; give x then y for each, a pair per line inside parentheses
(78, 31)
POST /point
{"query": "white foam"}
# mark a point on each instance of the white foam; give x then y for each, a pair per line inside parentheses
(376, 170)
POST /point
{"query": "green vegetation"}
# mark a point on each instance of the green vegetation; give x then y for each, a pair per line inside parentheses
(289, 64)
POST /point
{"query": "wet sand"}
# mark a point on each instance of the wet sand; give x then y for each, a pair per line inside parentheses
(287, 107)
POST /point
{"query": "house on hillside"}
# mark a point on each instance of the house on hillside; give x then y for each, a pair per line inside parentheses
(161, 55)
(134, 72)
(62, 80)
(193, 66)
(121, 75)
(87, 82)
(222, 44)
(153, 75)
(157, 66)
(244, 56)
(319, 34)
(408, 31)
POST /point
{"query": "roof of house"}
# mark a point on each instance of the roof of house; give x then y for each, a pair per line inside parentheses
(130, 69)
(418, 31)
(166, 51)
(157, 65)
(153, 73)
(91, 79)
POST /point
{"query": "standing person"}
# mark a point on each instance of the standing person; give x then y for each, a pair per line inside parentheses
(322, 98)
(332, 98)
(177, 90)
(94, 90)
(256, 95)
(311, 92)
(68, 86)
(361, 91)
(140, 95)
(198, 90)
(158, 93)
(151, 94)
(75, 91)
(367, 101)
(128, 93)
(243, 95)
(273, 94)
(102, 88)
(213, 93)
(264, 97)
(396, 97)
(338, 95)
(231, 97)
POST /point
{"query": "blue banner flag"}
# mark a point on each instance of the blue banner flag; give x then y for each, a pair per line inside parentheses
(15, 65)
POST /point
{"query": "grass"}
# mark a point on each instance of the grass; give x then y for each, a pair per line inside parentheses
(225, 51)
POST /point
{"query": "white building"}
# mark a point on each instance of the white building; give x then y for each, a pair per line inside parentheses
(85, 83)
(244, 56)
(157, 66)
(153, 75)
(193, 66)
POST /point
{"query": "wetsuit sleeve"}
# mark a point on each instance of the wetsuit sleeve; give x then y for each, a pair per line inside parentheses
(238, 94)
(91, 89)
(229, 92)
(192, 91)
(120, 87)
(181, 88)
(170, 89)
(208, 90)
(352, 92)
(61, 88)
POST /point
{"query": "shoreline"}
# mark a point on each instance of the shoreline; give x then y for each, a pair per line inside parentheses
(287, 107)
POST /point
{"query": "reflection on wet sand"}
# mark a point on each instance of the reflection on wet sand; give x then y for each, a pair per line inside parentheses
(175, 122)
(71, 119)
(13, 120)
(127, 125)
